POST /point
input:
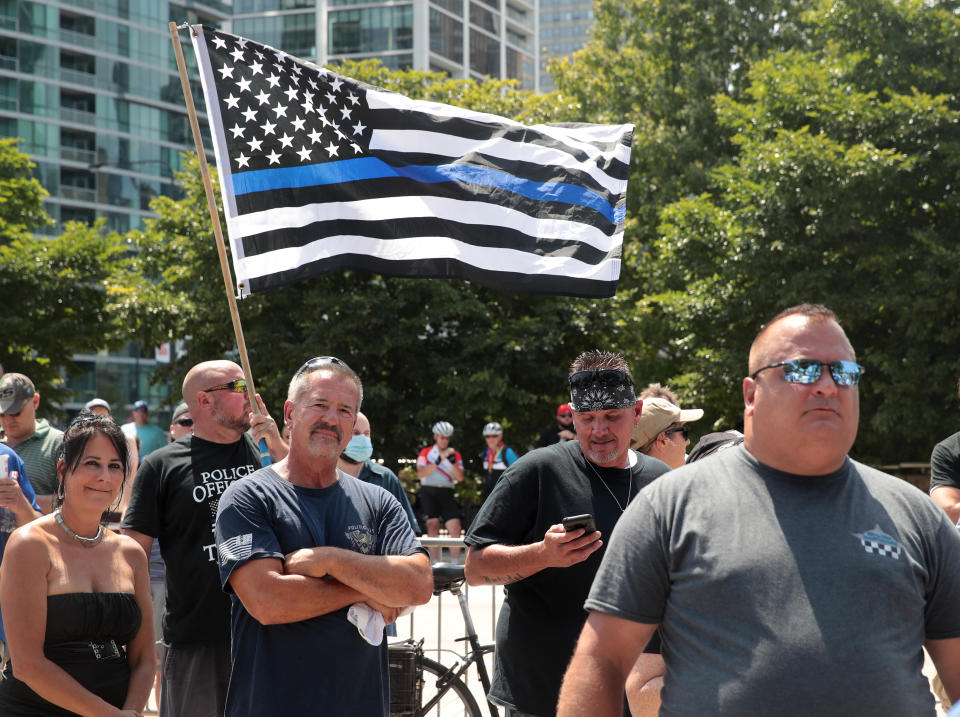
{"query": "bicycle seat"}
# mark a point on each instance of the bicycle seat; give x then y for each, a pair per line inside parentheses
(446, 576)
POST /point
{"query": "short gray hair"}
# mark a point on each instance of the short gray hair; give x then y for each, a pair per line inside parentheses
(323, 363)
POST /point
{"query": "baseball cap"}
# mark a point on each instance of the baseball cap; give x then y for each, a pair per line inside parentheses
(714, 443)
(90, 405)
(137, 405)
(564, 408)
(15, 390)
(656, 416)
(181, 408)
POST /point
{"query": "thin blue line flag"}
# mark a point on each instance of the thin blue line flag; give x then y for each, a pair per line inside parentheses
(322, 173)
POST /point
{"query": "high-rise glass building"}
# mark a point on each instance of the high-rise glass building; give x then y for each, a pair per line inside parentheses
(464, 38)
(564, 29)
(92, 88)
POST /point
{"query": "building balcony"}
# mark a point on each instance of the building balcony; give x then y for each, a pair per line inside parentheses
(83, 117)
(74, 154)
(77, 77)
(78, 38)
(81, 194)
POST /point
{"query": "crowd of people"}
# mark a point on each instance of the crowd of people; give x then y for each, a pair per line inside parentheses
(765, 572)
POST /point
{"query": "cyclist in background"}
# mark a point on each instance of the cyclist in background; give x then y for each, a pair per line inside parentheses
(439, 468)
(496, 456)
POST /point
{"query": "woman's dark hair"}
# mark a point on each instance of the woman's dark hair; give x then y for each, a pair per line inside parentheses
(78, 434)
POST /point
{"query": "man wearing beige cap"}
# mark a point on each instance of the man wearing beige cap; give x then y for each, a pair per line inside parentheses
(662, 431)
(33, 439)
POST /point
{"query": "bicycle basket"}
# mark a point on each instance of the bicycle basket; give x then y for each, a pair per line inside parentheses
(406, 678)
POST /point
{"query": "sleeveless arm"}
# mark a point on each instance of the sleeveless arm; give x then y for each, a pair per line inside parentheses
(23, 593)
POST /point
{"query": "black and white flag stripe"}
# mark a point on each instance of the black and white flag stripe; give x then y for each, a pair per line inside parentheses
(321, 173)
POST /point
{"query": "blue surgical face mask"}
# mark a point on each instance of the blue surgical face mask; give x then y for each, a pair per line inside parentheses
(359, 448)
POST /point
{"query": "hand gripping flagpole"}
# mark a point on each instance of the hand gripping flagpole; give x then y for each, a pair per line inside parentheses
(217, 233)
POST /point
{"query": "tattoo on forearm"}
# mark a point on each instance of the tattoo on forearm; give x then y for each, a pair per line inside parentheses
(502, 579)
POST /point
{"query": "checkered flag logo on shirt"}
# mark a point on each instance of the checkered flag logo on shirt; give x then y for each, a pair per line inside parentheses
(879, 543)
(322, 173)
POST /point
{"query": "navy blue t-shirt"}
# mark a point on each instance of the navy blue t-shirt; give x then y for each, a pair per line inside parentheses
(321, 665)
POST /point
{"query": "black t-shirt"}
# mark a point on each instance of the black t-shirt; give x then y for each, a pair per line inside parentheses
(552, 436)
(174, 499)
(945, 463)
(543, 614)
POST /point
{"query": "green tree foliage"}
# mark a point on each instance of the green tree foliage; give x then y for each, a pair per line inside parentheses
(21, 195)
(840, 189)
(659, 64)
(71, 294)
(426, 349)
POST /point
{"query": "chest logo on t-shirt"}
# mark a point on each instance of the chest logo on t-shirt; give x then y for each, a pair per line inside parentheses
(879, 543)
(361, 538)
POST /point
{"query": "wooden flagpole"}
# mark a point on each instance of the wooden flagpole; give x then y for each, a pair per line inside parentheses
(217, 231)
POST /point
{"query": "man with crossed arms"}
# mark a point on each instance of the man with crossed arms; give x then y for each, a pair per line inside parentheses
(301, 543)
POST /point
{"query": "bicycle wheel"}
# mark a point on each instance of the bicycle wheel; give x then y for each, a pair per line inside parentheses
(455, 700)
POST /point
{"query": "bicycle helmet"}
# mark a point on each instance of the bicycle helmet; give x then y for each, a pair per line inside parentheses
(443, 428)
(492, 429)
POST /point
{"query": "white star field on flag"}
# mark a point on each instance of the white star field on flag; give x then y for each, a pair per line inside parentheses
(280, 113)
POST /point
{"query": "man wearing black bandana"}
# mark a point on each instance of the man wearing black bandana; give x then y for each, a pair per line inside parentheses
(518, 540)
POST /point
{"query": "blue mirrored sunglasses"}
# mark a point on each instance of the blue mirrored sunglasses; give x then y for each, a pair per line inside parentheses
(844, 373)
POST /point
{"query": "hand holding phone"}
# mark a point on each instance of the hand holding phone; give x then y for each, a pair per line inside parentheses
(584, 521)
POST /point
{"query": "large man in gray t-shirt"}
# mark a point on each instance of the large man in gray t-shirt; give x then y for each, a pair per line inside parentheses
(786, 578)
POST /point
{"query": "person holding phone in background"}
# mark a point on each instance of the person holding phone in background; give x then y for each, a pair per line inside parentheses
(18, 506)
(518, 538)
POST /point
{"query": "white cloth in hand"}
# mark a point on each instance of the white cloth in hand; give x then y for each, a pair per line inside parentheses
(370, 622)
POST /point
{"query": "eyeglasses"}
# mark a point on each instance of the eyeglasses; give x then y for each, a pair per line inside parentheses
(565, 415)
(678, 429)
(606, 377)
(845, 373)
(185, 422)
(319, 361)
(237, 385)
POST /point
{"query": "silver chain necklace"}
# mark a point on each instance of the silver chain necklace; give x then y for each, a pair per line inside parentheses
(629, 486)
(85, 542)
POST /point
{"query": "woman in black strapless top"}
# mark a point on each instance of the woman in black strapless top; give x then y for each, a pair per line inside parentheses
(73, 594)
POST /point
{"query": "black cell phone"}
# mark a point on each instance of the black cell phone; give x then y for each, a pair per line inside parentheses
(584, 521)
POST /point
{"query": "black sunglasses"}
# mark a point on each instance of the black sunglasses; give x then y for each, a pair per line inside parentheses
(185, 422)
(606, 377)
(238, 385)
(319, 361)
(804, 370)
(678, 429)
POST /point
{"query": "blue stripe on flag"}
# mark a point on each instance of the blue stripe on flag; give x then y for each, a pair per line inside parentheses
(350, 170)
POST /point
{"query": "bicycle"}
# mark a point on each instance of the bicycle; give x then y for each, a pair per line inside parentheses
(421, 687)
